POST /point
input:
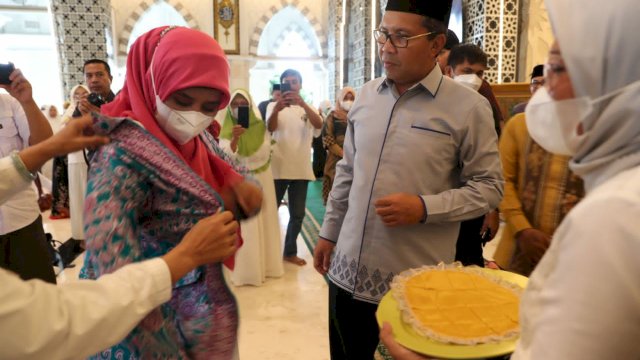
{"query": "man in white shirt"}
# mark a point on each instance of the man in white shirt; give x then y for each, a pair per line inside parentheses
(44, 321)
(294, 124)
(23, 245)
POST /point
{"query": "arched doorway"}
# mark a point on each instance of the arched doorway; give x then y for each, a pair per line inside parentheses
(289, 41)
(161, 13)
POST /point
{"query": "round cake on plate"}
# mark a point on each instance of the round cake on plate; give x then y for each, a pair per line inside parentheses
(458, 305)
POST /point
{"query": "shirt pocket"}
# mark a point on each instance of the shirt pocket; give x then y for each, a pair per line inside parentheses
(428, 129)
(431, 141)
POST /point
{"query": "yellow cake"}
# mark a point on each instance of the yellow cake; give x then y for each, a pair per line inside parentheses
(459, 305)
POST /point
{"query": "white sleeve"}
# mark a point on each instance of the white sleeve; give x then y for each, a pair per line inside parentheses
(12, 181)
(77, 319)
(270, 108)
(590, 302)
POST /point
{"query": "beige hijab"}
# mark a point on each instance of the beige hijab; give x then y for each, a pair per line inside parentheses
(338, 111)
(600, 48)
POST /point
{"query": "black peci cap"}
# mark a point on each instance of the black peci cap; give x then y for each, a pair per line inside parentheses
(538, 70)
(436, 9)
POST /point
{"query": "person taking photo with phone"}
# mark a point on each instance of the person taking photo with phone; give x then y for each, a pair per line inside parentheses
(244, 135)
(23, 245)
(294, 124)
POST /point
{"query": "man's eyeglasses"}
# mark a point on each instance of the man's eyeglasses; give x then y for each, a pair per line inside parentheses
(398, 41)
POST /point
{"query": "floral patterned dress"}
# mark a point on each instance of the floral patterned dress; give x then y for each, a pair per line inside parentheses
(141, 200)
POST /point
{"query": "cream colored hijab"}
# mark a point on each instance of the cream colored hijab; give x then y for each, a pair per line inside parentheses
(600, 49)
(72, 104)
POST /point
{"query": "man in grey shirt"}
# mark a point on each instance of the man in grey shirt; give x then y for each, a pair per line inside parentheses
(420, 155)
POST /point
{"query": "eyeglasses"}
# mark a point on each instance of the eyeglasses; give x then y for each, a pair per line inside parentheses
(537, 82)
(398, 41)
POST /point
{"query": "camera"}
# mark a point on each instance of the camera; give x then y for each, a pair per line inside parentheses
(5, 71)
(94, 99)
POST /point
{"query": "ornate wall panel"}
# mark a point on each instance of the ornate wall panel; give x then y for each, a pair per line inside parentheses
(83, 29)
(493, 25)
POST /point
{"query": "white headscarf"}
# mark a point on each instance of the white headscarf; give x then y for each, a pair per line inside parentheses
(72, 104)
(54, 121)
(600, 49)
(341, 95)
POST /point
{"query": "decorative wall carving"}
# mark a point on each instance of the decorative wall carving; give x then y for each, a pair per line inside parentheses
(83, 28)
(484, 21)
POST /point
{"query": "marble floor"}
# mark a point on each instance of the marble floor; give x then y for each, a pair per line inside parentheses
(286, 318)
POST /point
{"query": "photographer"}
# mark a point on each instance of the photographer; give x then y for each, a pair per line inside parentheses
(23, 245)
(293, 124)
(97, 75)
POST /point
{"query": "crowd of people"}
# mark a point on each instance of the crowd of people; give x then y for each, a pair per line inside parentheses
(177, 178)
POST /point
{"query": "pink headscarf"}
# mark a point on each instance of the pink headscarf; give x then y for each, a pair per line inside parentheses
(182, 58)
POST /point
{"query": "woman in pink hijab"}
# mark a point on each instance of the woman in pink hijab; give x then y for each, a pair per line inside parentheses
(161, 173)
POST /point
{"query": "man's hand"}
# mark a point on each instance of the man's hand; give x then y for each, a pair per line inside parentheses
(20, 88)
(280, 104)
(491, 223)
(534, 243)
(397, 351)
(322, 255)
(249, 197)
(294, 98)
(86, 107)
(400, 209)
(212, 239)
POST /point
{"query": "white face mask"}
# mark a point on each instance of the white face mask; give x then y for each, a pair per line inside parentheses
(346, 105)
(472, 81)
(234, 113)
(181, 126)
(554, 124)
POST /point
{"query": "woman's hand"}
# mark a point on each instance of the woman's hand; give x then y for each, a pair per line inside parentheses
(236, 133)
(248, 197)
(212, 239)
(77, 135)
(397, 351)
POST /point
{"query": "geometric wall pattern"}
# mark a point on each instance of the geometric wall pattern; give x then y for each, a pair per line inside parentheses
(333, 47)
(82, 29)
(482, 22)
(123, 37)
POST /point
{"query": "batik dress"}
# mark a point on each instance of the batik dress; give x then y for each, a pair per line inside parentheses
(141, 200)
